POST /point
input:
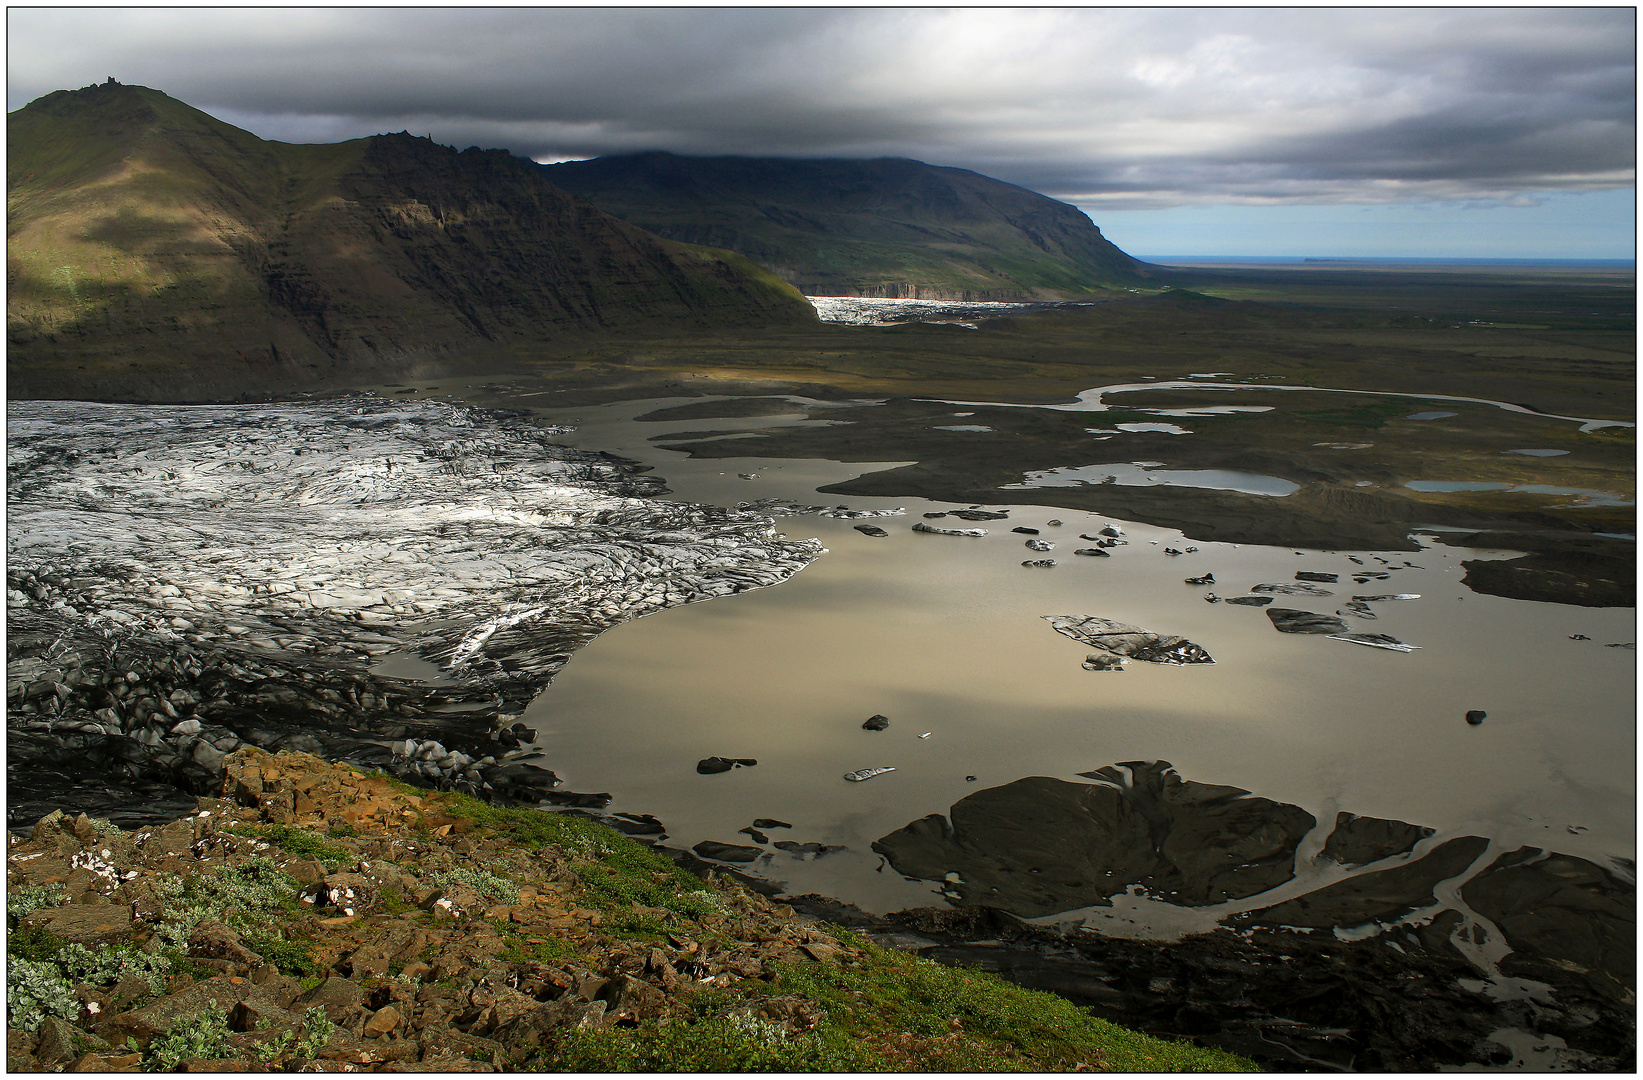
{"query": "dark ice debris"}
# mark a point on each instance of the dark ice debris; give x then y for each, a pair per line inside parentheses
(1313, 575)
(1097, 552)
(1044, 563)
(1212, 598)
(876, 722)
(1291, 588)
(1355, 559)
(1475, 716)
(1375, 641)
(709, 766)
(801, 849)
(771, 823)
(1356, 608)
(1173, 551)
(1207, 579)
(758, 837)
(870, 530)
(1387, 596)
(937, 514)
(1112, 530)
(980, 515)
(712, 849)
(1025, 530)
(919, 526)
(1053, 521)
(1579, 637)
(970, 778)
(1120, 641)
(1250, 601)
(1293, 621)
(1621, 645)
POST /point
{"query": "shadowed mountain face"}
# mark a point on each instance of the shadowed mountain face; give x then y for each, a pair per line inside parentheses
(885, 227)
(158, 252)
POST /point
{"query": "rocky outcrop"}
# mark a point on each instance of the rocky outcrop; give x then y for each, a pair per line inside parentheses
(183, 582)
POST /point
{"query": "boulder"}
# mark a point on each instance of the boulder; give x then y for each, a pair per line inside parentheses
(1293, 621)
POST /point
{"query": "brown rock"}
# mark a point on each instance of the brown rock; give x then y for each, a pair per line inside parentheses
(182, 1006)
(385, 1021)
(445, 1062)
(108, 1063)
(416, 969)
(333, 991)
(144, 901)
(443, 1041)
(637, 999)
(260, 1016)
(213, 940)
(305, 871)
(61, 1042)
(392, 1050)
(83, 923)
(540, 1025)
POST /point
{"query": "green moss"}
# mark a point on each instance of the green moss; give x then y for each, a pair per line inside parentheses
(723, 1044)
(617, 872)
(36, 943)
(290, 956)
(298, 842)
(909, 1009)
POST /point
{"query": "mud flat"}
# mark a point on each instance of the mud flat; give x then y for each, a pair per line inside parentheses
(382, 583)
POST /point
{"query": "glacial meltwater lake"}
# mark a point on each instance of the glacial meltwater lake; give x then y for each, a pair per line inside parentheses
(945, 636)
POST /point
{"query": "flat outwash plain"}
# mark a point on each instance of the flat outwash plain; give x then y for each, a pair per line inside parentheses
(311, 534)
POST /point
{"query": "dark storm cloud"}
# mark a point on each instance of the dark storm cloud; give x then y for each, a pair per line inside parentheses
(1111, 108)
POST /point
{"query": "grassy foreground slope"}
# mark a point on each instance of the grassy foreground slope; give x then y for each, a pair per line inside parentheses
(884, 227)
(156, 251)
(317, 918)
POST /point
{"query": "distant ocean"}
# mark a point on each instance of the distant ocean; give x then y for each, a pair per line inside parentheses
(1353, 260)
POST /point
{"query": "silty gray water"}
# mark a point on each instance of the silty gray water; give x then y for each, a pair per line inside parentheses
(944, 635)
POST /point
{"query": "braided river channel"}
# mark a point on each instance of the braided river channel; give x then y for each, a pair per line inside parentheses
(945, 636)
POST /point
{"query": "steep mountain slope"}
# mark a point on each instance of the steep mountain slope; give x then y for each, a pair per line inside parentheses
(885, 227)
(157, 252)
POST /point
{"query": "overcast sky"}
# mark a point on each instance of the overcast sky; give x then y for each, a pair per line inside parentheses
(1456, 131)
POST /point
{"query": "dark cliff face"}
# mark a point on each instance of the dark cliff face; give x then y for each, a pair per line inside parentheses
(158, 253)
(885, 227)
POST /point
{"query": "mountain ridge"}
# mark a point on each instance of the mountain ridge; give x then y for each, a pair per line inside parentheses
(863, 227)
(155, 250)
